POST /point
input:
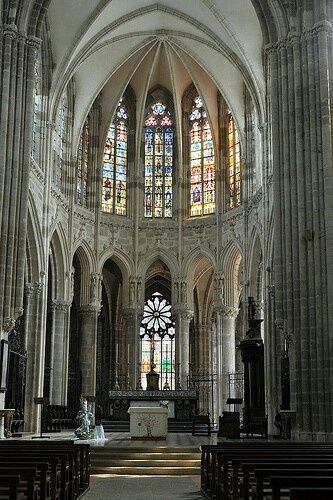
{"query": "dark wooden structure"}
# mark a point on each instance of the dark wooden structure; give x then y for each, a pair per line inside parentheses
(252, 353)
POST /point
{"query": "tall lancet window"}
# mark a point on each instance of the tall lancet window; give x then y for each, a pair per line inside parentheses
(60, 138)
(36, 121)
(234, 165)
(82, 165)
(158, 162)
(114, 182)
(157, 334)
(202, 161)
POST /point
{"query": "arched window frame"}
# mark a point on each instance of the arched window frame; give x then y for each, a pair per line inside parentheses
(234, 165)
(83, 164)
(115, 163)
(202, 162)
(159, 162)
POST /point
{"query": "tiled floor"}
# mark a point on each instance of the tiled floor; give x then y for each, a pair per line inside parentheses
(144, 488)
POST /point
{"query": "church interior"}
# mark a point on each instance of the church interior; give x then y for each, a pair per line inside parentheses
(166, 248)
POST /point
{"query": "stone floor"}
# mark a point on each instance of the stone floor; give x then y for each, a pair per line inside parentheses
(144, 488)
(123, 440)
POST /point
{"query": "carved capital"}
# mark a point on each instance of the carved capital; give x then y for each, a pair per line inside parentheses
(229, 312)
(183, 313)
(60, 305)
(89, 310)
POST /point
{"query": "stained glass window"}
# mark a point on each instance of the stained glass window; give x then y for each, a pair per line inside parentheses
(82, 165)
(60, 138)
(234, 164)
(158, 162)
(36, 112)
(202, 162)
(157, 334)
(114, 182)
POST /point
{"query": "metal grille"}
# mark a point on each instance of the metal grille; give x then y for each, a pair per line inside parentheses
(205, 385)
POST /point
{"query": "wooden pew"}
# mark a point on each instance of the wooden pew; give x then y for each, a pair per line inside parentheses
(9, 485)
(249, 468)
(220, 466)
(269, 473)
(311, 493)
(67, 459)
(283, 483)
(43, 475)
(28, 477)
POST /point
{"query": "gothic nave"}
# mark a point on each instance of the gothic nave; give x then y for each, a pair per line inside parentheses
(166, 181)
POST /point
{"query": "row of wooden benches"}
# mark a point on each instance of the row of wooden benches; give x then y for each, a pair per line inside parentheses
(40, 470)
(258, 470)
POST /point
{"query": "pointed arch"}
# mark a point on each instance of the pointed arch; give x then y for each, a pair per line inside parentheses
(231, 265)
(58, 263)
(86, 263)
(125, 265)
(34, 249)
(198, 268)
(168, 258)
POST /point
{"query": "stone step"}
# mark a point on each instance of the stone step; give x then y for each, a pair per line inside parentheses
(158, 450)
(145, 460)
(147, 471)
(146, 463)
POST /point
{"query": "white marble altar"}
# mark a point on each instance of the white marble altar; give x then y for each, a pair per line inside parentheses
(148, 422)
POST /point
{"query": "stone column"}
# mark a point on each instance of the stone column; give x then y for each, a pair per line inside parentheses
(183, 318)
(35, 344)
(18, 54)
(88, 331)
(59, 350)
(228, 347)
(217, 320)
(299, 71)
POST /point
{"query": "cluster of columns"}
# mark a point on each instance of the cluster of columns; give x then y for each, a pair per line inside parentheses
(300, 95)
(17, 59)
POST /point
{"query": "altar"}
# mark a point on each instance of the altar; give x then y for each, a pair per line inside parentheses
(182, 403)
(148, 422)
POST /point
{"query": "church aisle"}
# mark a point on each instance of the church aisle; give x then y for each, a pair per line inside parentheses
(144, 488)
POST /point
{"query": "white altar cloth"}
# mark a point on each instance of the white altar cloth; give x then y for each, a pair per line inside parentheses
(148, 422)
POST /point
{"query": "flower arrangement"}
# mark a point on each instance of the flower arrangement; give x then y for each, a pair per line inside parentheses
(84, 431)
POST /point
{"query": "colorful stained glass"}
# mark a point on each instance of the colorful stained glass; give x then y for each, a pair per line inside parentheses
(158, 162)
(114, 182)
(157, 335)
(202, 162)
(36, 112)
(234, 165)
(82, 165)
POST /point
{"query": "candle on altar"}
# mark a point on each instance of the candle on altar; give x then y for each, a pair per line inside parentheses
(117, 353)
(166, 358)
(128, 353)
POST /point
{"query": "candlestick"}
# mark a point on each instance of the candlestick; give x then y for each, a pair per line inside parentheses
(128, 353)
